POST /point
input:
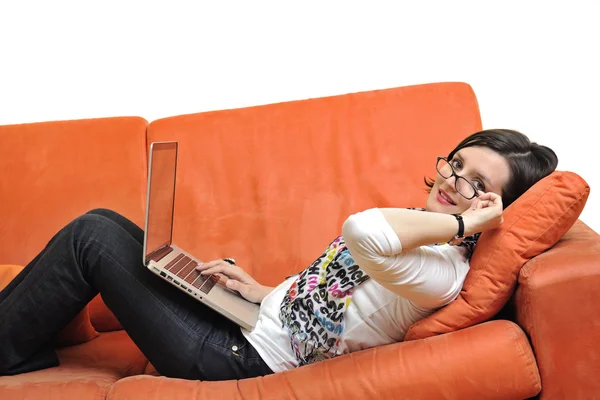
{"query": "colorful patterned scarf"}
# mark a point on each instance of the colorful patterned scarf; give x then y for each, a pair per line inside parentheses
(313, 308)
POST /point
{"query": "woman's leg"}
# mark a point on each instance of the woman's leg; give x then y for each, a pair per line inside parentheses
(95, 253)
(135, 231)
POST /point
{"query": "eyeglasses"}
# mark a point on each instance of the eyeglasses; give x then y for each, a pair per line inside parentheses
(462, 185)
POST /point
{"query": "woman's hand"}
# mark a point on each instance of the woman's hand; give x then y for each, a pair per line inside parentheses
(238, 280)
(485, 213)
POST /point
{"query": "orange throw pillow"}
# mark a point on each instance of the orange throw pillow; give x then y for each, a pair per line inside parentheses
(102, 318)
(79, 330)
(8, 273)
(532, 224)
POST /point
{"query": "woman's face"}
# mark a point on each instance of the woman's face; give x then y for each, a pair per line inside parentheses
(487, 170)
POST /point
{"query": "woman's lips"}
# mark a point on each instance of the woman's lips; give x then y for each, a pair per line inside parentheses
(442, 198)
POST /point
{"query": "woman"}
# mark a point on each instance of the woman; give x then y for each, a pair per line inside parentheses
(389, 269)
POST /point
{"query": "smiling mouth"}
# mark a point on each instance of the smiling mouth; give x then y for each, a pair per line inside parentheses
(445, 196)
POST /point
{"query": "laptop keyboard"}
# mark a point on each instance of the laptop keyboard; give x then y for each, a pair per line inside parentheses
(185, 268)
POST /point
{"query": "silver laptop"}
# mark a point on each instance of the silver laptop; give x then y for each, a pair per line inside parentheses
(170, 262)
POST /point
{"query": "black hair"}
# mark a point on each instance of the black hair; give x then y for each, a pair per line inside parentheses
(528, 161)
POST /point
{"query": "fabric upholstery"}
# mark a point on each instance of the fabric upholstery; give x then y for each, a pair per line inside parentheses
(557, 305)
(65, 169)
(271, 185)
(111, 350)
(86, 371)
(532, 224)
(60, 383)
(150, 370)
(8, 273)
(101, 317)
(487, 361)
(48, 191)
(79, 330)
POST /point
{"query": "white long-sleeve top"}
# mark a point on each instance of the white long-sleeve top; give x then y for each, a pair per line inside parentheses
(404, 288)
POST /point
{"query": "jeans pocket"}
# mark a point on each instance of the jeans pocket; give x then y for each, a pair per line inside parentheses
(232, 347)
(222, 355)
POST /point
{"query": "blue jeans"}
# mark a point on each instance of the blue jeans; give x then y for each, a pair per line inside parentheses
(101, 252)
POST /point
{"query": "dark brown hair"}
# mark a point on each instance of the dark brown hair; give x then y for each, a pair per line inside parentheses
(528, 161)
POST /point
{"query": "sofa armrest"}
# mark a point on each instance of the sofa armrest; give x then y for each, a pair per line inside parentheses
(491, 361)
(557, 305)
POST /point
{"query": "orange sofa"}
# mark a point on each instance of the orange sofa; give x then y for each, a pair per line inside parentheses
(270, 186)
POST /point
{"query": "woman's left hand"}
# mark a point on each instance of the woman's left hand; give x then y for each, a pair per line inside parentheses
(237, 279)
(485, 213)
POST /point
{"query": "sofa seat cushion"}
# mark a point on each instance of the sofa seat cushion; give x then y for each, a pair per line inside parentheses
(491, 360)
(111, 350)
(86, 371)
(67, 381)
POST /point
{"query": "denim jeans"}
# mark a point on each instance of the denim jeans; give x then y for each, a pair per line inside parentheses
(101, 252)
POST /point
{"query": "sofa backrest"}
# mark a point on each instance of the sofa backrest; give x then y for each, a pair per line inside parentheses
(55, 171)
(271, 185)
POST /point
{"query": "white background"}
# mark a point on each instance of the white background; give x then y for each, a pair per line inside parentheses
(534, 65)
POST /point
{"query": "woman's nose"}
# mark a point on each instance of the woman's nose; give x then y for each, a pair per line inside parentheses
(451, 181)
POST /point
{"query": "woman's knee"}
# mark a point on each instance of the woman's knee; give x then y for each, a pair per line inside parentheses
(100, 245)
(93, 225)
(105, 212)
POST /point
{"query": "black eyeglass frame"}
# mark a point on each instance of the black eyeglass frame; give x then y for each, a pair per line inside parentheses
(455, 175)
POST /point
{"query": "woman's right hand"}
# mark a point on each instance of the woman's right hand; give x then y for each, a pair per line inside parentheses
(485, 213)
(237, 279)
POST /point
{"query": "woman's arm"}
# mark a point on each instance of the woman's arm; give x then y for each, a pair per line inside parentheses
(423, 275)
(389, 246)
(417, 228)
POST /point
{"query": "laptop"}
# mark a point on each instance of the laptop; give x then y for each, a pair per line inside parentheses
(173, 264)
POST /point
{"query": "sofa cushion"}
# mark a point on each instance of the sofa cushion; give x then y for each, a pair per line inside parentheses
(110, 350)
(52, 172)
(556, 304)
(79, 330)
(103, 320)
(532, 224)
(59, 383)
(272, 185)
(86, 371)
(489, 361)
(8, 273)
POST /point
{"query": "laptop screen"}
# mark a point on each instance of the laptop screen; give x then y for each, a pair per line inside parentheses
(161, 196)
